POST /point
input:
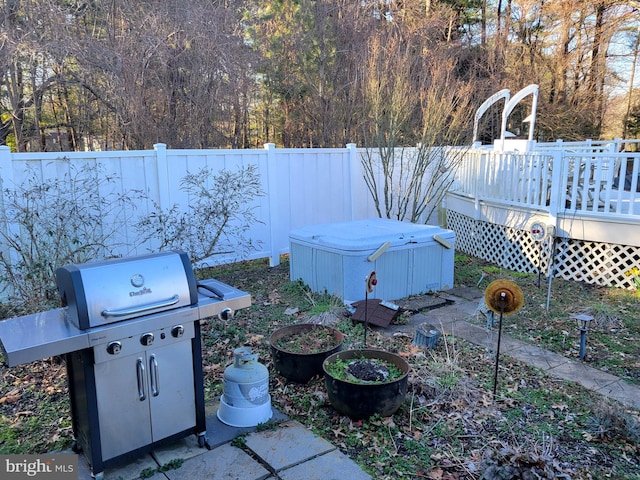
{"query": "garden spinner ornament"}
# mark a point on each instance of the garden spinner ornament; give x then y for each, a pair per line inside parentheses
(503, 297)
(370, 281)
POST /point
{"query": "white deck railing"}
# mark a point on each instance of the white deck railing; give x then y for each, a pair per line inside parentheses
(591, 181)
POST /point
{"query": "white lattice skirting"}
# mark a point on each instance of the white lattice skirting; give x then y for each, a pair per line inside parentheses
(596, 263)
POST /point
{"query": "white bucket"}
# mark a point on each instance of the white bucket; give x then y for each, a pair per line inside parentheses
(244, 417)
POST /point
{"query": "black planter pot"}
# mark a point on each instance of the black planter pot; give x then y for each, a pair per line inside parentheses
(361, 400)
(301, 367)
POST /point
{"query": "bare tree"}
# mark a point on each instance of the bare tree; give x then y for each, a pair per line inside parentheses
(170, 73)
(418, 100)
(27, 71)
(130, 74)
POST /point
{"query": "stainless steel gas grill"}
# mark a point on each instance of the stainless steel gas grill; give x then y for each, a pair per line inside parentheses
(131, 333)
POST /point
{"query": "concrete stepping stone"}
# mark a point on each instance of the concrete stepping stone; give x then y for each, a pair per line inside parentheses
(290, 444)
(222, 463)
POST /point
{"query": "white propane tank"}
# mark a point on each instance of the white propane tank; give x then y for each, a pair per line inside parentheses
(246, 401)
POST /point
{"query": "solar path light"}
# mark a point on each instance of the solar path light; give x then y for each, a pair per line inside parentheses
(583, 325)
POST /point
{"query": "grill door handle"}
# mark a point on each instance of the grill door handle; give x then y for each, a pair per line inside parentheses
(141, 380)
(153, 373)
(143, 308)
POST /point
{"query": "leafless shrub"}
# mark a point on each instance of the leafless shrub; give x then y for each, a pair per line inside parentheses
(215, 222)
(46, 224)
(409, 182)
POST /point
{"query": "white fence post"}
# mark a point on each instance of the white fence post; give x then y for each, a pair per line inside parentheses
(6, 181)
(6, 166)
(164, 192)
(480, 170)
(274, 218)
(354, 169)
(556, 193)
(615, 146)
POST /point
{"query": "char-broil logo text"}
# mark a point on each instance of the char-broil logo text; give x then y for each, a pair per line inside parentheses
(142, 291)
(61, 467)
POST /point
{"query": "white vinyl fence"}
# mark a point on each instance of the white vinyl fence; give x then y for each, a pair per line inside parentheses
(301, 186)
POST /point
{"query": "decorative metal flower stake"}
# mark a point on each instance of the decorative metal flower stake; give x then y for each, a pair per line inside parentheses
(503, 297)
(370, 281)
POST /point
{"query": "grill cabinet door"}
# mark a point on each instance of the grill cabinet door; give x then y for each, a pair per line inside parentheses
(123, 413)
(171, 389)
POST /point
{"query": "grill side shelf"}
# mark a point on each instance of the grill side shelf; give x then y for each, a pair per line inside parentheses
(210, 306)
(40, 335)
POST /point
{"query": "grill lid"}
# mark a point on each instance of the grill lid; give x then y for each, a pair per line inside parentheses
(100, 293)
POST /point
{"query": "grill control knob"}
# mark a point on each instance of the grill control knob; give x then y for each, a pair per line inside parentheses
(146, 339)
(114, 348)
(177, 331)
(226, 314)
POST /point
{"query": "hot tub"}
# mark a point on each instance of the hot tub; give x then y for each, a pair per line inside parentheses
(408, 258)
